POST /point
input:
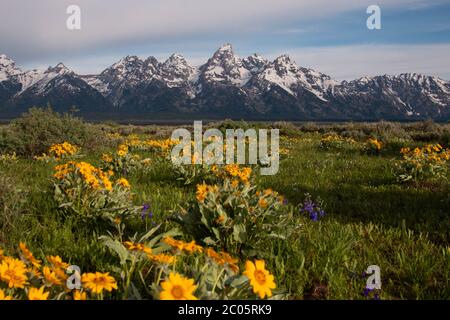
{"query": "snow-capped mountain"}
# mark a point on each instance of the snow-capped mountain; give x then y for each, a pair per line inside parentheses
(8, 68)
(225, 86)
(225, 68)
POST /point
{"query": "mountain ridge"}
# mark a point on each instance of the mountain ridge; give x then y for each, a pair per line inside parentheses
(225, 86)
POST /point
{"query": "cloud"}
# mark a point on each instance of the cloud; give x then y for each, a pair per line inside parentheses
(354, 61)
(34, 33)
(38, 28)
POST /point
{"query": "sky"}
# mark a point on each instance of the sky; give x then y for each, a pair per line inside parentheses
(328, 36)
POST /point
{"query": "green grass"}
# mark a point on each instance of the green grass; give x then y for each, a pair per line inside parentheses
(371, 219)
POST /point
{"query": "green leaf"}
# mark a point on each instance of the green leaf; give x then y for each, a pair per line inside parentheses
(239, 233)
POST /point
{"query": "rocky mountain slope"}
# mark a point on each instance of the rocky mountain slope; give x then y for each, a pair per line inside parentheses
(225, 86)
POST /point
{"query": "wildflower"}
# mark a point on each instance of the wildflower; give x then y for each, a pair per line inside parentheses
(375, 143)
(3, 296)
(367, 291)
(123, 150)
(262, 203)
(79, 295)
(162, 258)
(28, 255)
(13, 272)
(222, 258)
(57, 262)
(60, 150)
(202, 190)
(123, 182)
(220, 219)
(37, 294)
(144, 213)
(314, 211)
(192, 247)
(106, 157)
(214, 256)
(137, 247)
(97, 282)
(34, 272)
(178, 287)
(51, 276)
(183, 246)
(244, 174)
(260, 279)
(232, 169)
(230, 261)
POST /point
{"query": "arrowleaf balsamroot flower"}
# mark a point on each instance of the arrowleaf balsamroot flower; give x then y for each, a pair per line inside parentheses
(123, 182)
(202, 191)
(51, 276)
(29, 255)
(57, 262)
(260, 279)
(79, 295)
(190, 247)
(178, 287)
(3, 296)
(37, 294)
(97, 282)
(13, 272)
(162, 258)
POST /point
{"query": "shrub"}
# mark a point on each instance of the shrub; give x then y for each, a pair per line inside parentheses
(336, 142)
(419, 164)
(160, 262)
(373, 146)
(235, 216)
(38, 129)
(88, 193)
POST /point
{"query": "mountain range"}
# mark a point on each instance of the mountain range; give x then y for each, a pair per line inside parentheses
(226, 86)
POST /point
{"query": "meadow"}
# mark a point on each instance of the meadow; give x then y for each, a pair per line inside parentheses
(106, 198)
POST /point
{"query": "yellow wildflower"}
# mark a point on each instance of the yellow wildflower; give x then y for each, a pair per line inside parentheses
(37, 294)
(260, 279)
(97, 282)
(178, 287)
(3, 296)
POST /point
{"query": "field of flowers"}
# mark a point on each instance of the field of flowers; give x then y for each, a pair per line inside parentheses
(139, 227)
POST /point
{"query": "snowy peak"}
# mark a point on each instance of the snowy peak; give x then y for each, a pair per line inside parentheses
(8, 68)
(255, 63)
(40, 82)
(58, 70)
(225, 67)
(127, 68)
(286, 74)
(176, 71)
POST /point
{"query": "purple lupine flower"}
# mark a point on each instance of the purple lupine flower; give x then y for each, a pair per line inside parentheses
(314, 210)
(376, 296)
(145, 208)
(367, 291)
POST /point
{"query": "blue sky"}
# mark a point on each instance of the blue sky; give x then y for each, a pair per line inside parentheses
(330, 36)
